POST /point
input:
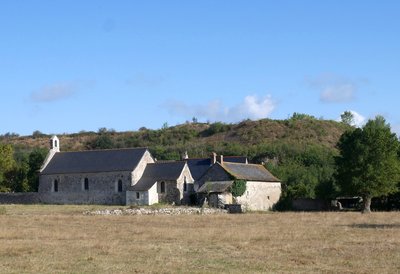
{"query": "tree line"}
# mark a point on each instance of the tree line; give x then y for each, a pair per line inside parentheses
(19, 169)
(362, 162)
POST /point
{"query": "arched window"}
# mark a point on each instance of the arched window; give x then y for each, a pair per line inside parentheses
(184, 185)
(55, 185)
(119, 187)
(86, 184)
(162, 187)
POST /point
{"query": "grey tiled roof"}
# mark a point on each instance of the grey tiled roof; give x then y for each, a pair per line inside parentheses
(199, 166)
(157, 172)
(215, 187)
(249, 172)
(94, 161)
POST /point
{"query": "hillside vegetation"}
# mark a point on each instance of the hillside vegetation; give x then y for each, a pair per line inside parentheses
(250, 138)
(300, 150)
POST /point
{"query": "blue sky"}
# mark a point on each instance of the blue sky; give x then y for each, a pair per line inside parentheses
(67, 66)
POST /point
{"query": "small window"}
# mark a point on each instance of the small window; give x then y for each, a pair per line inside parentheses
(119, 185)
(86, 184)
(55, 186)
(138, 195)
(55, 143)
(185, 185)
(162, 187)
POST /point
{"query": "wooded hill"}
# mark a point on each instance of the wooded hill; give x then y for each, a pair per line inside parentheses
(256, 139)
(300, 150)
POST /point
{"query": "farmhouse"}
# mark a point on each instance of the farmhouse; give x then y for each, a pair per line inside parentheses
(262, 192)
(133, 176)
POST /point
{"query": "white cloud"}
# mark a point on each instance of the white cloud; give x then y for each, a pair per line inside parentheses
(358, 119)
(338, 93)
(334, 88)
(251, 107)
(53, 93)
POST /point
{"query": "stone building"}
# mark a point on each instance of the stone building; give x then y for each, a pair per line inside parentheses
(263, 190)
(91, 177)
(162, 182)
(132, 176)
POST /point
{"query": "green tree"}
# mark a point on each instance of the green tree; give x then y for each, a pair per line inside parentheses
(35, 161)
(368, 163)
(16, 178)
(7, 163)
(347, 118)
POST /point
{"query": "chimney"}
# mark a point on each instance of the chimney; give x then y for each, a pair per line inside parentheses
(185, 156)
(213, 158)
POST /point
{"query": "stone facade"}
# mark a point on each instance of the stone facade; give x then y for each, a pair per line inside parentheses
(138, 172)
(220, 199)
(131, 177)
(102, 188)
(165, 191)
(175, 191)
(260, 195)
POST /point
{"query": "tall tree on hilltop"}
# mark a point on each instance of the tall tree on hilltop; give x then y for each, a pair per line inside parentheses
(368, 164)
(347, 118)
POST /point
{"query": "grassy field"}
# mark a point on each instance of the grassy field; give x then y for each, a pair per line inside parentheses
(54, 239)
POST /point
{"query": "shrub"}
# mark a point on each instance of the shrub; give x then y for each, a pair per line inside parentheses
(238, 188)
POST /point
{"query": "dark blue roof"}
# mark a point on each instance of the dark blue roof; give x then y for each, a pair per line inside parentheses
(95, 161)
(199, 166)
(157, 172)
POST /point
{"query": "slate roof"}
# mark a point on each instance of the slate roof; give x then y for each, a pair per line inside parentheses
(95, 161)
(159, 171)
(215, 187)
(199, 166)
(249, 172)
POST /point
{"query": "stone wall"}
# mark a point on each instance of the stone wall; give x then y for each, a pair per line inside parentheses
(148, 197)
(171, 194)
(260, 195)
(184, 196)
(219, 199)
(60, 198)
(20, 198)
(103, 188)
(138, 172)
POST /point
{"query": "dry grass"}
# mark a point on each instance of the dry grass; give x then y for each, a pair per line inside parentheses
(54, 239)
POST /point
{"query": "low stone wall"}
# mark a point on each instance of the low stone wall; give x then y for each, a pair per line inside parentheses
(103, 198)
(20, 198)
(158, 211)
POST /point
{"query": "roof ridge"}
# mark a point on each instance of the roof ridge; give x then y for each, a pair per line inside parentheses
(107, 149)
(169, 162)
(248, 164)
